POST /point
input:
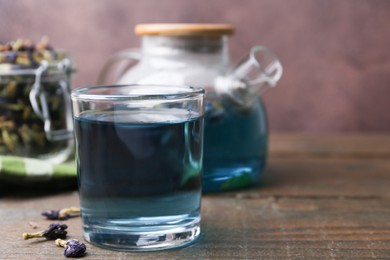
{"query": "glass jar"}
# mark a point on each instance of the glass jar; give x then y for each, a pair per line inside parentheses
(35, 106)
(235, 138)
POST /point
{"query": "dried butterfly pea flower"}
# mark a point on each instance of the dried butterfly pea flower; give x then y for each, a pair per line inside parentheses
(54, 231)
(5, 47)
(73, 247)
(52, 214)
(17, 45)
(11, 57)
(61, 214)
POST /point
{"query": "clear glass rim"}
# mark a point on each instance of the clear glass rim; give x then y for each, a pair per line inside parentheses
(160, 92)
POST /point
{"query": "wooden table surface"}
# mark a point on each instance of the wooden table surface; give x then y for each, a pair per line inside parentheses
(321, 197)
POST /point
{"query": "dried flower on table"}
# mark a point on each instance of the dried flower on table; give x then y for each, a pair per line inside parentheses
(73, 247)
(54, 231)
(62, 214)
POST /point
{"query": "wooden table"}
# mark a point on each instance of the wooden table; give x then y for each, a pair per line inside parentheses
(321, 197)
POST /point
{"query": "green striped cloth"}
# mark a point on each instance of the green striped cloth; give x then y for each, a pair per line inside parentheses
(22, 170)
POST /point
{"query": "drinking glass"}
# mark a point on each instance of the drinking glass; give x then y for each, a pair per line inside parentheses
(139, 155)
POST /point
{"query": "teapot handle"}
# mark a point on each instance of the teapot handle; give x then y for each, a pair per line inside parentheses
(120, 62)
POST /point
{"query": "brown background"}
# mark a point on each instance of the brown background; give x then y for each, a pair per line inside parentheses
(336, 54)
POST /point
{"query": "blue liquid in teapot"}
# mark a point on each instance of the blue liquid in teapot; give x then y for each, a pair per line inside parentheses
(235, 146)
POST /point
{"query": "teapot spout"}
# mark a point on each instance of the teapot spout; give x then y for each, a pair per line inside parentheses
(260, 70)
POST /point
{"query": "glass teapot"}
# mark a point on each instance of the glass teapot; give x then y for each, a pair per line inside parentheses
(235, 140)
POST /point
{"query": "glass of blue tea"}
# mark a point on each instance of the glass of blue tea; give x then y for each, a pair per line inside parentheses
(139, 161)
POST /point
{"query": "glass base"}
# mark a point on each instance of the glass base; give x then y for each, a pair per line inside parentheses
(121, 240)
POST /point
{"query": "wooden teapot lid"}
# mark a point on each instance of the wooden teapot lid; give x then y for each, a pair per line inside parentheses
(184, 29)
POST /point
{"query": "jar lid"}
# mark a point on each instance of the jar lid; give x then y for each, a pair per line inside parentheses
(184, 29)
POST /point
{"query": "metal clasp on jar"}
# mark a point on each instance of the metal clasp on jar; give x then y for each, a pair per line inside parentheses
(42, 109)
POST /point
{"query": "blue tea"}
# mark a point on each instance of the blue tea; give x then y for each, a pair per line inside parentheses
(235, 146)
(139, 172)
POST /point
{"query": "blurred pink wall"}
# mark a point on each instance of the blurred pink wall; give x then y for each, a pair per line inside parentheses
(335, 53)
